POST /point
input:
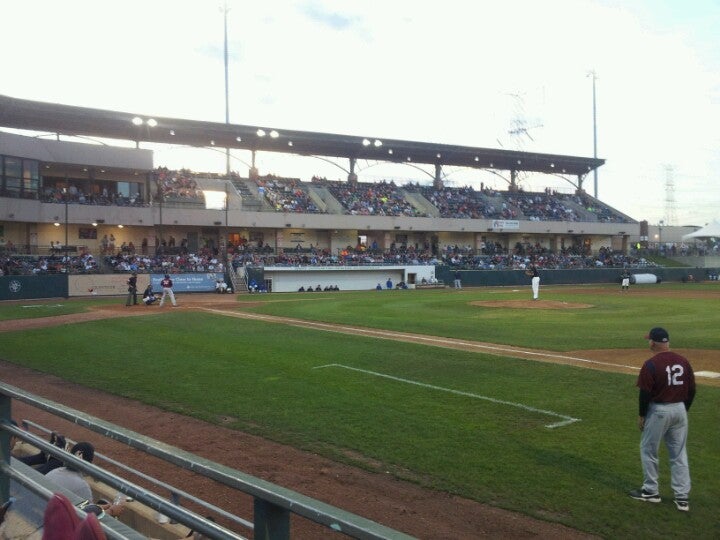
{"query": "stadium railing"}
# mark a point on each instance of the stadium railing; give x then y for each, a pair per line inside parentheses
(272, 506)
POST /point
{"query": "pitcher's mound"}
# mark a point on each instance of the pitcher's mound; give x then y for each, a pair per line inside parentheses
(531, 304)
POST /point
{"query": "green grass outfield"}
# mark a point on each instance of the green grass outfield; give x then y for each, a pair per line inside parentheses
(468, 423)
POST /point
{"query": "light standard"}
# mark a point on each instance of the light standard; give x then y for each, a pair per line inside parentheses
(595, 172)
(225, 11)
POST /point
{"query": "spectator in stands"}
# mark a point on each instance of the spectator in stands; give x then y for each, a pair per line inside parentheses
(72, 480)
(44, 463)
(389, 283)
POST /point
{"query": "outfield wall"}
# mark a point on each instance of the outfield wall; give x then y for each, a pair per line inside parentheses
(482, 278)
(289, 279)
(64, 286)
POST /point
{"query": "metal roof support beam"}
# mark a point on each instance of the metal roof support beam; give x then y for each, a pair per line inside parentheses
(438, 182)
(513, 180)
(352, 177)
(253, 169)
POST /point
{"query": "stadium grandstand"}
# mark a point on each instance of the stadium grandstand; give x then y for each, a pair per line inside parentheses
(81, 207)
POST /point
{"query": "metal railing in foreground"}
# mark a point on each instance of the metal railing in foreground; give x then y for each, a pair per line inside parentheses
(177, 495)
(273, 504)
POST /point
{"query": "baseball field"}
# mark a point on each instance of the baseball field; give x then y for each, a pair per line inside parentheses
(526, 406)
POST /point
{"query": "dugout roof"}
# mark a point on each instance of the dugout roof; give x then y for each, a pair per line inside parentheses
(82, 121)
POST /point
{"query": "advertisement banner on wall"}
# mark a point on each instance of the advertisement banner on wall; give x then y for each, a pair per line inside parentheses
(116, 284)
(189, 282)
(103, 284)
(505, 224)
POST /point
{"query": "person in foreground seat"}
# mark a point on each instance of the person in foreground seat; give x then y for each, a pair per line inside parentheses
(667, 390)
(71, 479)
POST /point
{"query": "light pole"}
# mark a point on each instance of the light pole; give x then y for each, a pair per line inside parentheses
(225, 11)
(592, 74)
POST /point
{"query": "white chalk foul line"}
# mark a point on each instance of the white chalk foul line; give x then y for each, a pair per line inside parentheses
(566, 419)
(429, 340)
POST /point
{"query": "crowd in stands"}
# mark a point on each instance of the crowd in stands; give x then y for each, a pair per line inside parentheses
(206, 260)
(286, 195)
(541, 206)
(27, 265)
(491, 256)
(179, 186)
(104, 197)
(603, 213)
(488, 256)
(464, 203)
(494, 257)
(383, 198)
(371, 199)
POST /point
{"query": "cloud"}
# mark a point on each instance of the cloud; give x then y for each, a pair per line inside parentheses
(331, 19)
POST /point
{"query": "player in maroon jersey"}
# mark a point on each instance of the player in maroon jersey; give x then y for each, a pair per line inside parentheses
(667, 390)
(167, 287)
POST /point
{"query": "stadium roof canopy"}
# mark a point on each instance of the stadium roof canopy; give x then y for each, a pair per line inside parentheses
(83, 121)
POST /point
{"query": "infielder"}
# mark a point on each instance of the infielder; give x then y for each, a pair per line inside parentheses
(667, 390)
(625, 283)
(532, 272)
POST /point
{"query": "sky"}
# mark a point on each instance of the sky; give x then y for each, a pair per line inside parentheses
(512, 74)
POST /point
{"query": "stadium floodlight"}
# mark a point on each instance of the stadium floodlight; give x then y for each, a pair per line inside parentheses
(274, 134)
(366, 142)
(151, 122)
(260, 132)
(137, 121)
(377, 143)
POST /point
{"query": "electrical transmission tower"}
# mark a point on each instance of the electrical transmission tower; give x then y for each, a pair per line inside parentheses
(520, 127)
(670, 206)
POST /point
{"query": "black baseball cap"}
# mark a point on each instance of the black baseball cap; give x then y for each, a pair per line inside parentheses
(658, 335)
(86, 449)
